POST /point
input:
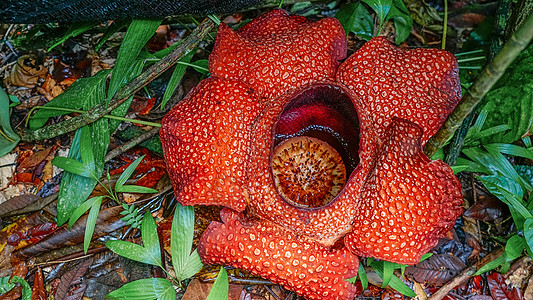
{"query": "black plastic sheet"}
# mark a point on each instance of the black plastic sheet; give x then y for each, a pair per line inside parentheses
(69, 11)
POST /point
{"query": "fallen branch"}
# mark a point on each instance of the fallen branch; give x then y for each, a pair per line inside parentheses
(97, 112)
(464, 275)
(488, 77)
(132, 143)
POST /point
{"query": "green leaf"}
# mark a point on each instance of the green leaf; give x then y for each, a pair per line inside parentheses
(402, 20)
(150, 253)
(512, 150)
(26, 289)
(75, 30)
(145, 289)
(201, 66)
(5, 284)
(86, 151)
(175, 79)
(8, 138)
(220, 288)
(91, 224)
(395, 282)
(149, 235)
(509, 192)
(354, 17)
(496, 163)
(492, 265)
(388, 271)
(362, 276)
(78, 96)
(134, 252)
(121, 188)
(193, 265)
(381, 7)
(511, 101)
(71, 165)
(83, 94)
(84, 207)
(514, 247)
(138, 33)
(528, 232)
(181, 239)
(525, 172)
(110, 30)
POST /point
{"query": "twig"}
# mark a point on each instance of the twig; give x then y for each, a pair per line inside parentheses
(132, 143)
(464, 275)
(488, 77)
(123, 93)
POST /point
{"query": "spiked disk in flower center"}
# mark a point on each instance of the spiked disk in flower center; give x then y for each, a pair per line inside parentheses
(307, 171)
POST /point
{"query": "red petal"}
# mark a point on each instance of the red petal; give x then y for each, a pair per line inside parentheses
(277, 52)
(307, 268)
(408, 202)
(206, 141)
(420, 85)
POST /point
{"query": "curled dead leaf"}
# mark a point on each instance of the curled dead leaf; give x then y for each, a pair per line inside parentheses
(26, 72)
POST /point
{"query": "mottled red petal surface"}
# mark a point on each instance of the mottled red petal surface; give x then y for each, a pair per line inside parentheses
(206, 142)
(407, 203)
(278, 51)
(307, 268)
(419, 85)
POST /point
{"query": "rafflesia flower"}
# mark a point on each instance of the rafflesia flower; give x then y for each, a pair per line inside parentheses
(316, 162)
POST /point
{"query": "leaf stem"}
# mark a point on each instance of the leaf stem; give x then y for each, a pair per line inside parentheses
(445, 25)
(105, 116)
(192, 65)
(97, 112)
(6, 137)
(487, 78)
(462, 60)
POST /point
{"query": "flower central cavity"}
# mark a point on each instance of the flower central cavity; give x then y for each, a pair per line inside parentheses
(308, 171)
(315, 146)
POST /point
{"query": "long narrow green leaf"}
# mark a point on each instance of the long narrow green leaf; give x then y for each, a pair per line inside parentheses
(75, 30)
(193, 265)
(513, 150)
(127, 173)
(84, 207)
(181, 239)
(71, 165)
(138, 33)
(134, 252)
(75, 189)
(492, 265)
(86, 150)
(149, 235)
(8, 138)
(175, 79)
(110, 30)
(77, 96)
(91, 223)
(220, 288)
(388, 271)
(362, 276)
(144, 289)
(395, 282)
(121, 188)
